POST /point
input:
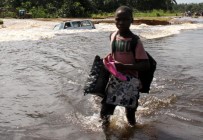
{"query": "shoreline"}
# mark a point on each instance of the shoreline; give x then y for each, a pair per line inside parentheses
(153, 21)
(137, 21)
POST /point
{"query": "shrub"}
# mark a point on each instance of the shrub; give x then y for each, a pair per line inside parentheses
(1, 22)
(38, 12)
(102, 15)
(8, 14)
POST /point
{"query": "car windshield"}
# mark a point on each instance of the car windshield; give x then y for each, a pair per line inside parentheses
(57, 27)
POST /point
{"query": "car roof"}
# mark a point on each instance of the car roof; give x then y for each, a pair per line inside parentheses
(76, 20)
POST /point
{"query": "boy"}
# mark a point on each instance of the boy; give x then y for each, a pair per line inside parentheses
(128, 62)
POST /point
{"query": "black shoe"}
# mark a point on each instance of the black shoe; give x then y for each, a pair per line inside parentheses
(132, 122)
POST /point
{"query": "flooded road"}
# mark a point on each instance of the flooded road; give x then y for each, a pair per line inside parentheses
(42, 74)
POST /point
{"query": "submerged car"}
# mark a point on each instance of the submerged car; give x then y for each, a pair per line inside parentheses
(83, 24)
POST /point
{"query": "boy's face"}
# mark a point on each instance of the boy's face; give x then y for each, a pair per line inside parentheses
(123, 20)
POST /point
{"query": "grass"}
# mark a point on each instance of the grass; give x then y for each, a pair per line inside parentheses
(155, 13)
(150, 15)
(155, 18)
(102, 15)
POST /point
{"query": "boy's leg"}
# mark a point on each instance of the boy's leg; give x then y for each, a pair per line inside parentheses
(106, 111)
(130, 114)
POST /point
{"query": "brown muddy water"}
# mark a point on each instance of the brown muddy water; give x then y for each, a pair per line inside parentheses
(42, 74)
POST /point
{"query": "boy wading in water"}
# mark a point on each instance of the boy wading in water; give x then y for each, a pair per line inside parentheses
(128, 62)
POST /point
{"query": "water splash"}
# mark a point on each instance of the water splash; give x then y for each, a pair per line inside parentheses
(29, 29)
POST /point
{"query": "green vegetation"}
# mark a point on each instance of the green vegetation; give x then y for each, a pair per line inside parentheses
(156, 13)
(102, 15)
(189, 7)
(93, 8)
(1, 22)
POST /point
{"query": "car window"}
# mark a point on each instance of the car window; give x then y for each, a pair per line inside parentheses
(67, 25)
(76, 24)
(86, 23)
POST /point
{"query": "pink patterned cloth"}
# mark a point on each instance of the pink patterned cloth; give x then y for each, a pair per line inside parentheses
(109, 64)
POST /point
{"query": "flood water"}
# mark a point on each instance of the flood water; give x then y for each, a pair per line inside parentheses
(42, 75)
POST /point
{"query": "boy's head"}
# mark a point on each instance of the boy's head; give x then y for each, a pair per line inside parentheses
(123, 18)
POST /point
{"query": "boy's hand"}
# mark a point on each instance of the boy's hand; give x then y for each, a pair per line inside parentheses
(119, 66)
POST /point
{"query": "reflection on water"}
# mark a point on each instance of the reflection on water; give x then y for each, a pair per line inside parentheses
(42, 73)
